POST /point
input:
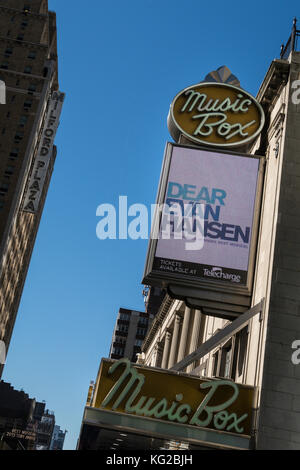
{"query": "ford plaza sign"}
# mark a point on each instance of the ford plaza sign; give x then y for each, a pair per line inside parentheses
(215, 114)
(177, 398)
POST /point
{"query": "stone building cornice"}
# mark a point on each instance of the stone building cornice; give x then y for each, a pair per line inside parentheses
(167, 303)
(276, 78)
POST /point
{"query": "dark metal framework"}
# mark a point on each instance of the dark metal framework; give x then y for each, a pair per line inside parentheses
(292, 42)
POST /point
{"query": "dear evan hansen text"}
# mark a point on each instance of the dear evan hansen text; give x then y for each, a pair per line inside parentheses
(208, 203)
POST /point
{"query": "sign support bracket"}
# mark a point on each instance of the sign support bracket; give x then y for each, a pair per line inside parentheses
(220, 336)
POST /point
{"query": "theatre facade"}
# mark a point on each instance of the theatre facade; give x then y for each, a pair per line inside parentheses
(217, 368)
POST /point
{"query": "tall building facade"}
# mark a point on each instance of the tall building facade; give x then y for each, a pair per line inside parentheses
(45, 429)
(259, 352)
(17, 419)
(28, 122)
(58, 438)
(129, 333)
(25, 424)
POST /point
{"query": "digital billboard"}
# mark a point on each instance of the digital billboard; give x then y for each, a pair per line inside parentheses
(216, 193)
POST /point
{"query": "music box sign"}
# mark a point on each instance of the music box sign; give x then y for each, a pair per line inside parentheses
(215, 114)
(221, 405)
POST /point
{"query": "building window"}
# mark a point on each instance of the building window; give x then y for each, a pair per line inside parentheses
(225, 366)
(118, 351)
(4, 188)
(143, 321)
(120, 339)
(138, 342)
(240, 349)
(141, 331)
(23, 120)
(32, 88)
(124, 316)
(28, 104)
(31, 55)
(14, 154)
(215, 364)
(20, 37)
(8, 52)
(229, 361)
(123, 328)
(28, 69)
(1, 204)
(19, 136)
(9, 170)
(5, 64)
(24, 24)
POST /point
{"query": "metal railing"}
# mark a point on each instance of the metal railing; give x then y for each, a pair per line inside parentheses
(292, 43)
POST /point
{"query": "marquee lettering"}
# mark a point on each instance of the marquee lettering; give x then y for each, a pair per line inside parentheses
(130, 385)
(216, 114)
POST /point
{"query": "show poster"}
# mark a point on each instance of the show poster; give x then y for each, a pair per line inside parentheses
(225, 185)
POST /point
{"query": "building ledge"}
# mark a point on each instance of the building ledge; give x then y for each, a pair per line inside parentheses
(21, 42)
(276, 78)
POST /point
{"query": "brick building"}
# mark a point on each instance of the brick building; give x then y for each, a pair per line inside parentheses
(28, 70)
(24, 422)
(129, 333)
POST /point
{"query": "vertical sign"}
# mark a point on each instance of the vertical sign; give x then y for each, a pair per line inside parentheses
(227, 185)
(41, 162)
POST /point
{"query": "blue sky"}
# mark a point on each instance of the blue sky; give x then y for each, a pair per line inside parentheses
(120, 64)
